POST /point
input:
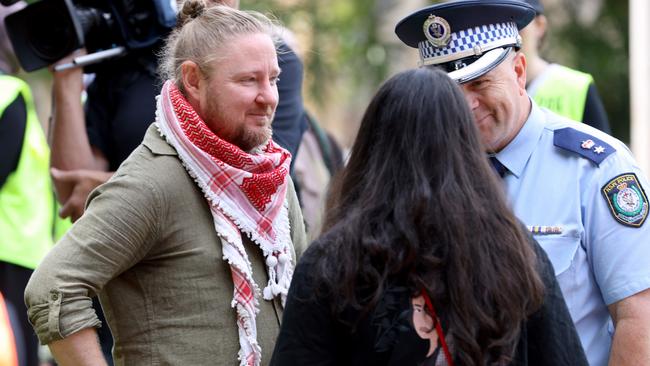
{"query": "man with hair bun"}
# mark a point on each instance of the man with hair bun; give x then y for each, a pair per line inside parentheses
(191, 244)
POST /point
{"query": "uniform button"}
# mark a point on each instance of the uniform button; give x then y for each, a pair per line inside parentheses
(55, 297)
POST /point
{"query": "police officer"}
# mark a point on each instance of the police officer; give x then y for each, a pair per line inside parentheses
(579, 190)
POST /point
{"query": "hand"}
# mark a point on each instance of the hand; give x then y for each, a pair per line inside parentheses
(73, 188)
(69, 80)
(68, 59)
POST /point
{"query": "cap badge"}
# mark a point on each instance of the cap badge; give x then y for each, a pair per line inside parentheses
(437, 31)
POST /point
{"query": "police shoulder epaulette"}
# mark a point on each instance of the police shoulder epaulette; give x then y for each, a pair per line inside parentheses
(582, 144)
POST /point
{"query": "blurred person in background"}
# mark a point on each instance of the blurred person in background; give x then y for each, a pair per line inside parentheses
(318, 159)
(579, 191)
(421, 262)
(191, 244)
(565, 91)
(90, 140)
(28, 220)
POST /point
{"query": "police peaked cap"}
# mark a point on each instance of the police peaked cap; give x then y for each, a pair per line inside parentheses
(467, 38)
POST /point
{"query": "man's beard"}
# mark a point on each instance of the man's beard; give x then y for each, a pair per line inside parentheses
(245, 137)
(250, 141)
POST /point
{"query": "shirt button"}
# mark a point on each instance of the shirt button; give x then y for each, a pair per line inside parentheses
(55, 297)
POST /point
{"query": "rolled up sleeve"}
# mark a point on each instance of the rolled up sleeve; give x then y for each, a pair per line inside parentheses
(116, 231)
(50, 322)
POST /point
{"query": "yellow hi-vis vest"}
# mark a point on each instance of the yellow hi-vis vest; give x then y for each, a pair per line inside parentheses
(564, 91)
(8, 354)
(27, 204)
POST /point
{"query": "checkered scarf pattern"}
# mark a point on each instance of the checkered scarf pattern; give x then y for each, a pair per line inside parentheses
(247, 194)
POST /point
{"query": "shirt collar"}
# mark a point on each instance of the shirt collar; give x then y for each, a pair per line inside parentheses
(156, 143)
(516, 154)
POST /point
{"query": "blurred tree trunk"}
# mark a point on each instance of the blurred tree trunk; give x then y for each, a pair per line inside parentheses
(640, 94)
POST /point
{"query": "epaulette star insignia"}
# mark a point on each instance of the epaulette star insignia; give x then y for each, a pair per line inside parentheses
(583, 144)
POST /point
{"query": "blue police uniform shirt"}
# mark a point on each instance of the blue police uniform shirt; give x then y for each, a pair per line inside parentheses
(568, 182)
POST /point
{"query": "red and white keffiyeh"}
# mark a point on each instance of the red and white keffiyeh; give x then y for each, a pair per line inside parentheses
(247, 194)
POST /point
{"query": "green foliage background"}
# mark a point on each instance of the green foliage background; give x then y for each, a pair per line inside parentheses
(599, 48)
(340, 34)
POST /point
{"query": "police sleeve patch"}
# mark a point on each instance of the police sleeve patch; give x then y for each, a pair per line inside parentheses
(626, 199)
(582, 144)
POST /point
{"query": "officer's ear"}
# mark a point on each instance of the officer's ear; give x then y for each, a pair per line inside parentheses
(519, 68)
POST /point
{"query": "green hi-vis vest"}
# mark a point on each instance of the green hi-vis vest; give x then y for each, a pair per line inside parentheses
(27, 205)
(564, 91)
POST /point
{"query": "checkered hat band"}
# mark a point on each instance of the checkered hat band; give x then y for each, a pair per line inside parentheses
(463, 42)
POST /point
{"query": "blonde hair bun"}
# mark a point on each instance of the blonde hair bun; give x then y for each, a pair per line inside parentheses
(191, 9)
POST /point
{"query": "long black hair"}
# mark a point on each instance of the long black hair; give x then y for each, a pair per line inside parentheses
(418, 201)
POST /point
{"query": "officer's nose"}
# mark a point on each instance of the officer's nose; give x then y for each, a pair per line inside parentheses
(471, 98)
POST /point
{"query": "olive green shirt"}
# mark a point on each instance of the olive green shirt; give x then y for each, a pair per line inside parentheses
(147, 245)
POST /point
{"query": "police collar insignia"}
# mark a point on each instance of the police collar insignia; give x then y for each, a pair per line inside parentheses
(437, 31)
(626, 199)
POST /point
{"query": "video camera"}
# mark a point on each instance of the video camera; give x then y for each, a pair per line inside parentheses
(48, 30)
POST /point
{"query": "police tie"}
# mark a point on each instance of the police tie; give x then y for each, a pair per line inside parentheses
(498, 167)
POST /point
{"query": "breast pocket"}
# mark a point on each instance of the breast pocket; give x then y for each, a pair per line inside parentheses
(561, 250)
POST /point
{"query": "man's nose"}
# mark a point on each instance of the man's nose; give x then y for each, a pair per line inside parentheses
(268, 94)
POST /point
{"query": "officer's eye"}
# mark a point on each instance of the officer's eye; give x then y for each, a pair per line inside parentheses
(477, 84)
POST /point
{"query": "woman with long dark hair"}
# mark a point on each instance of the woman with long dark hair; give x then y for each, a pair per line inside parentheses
(421, 261)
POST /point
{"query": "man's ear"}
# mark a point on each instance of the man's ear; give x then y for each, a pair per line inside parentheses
(191, 78)
(519, 67)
